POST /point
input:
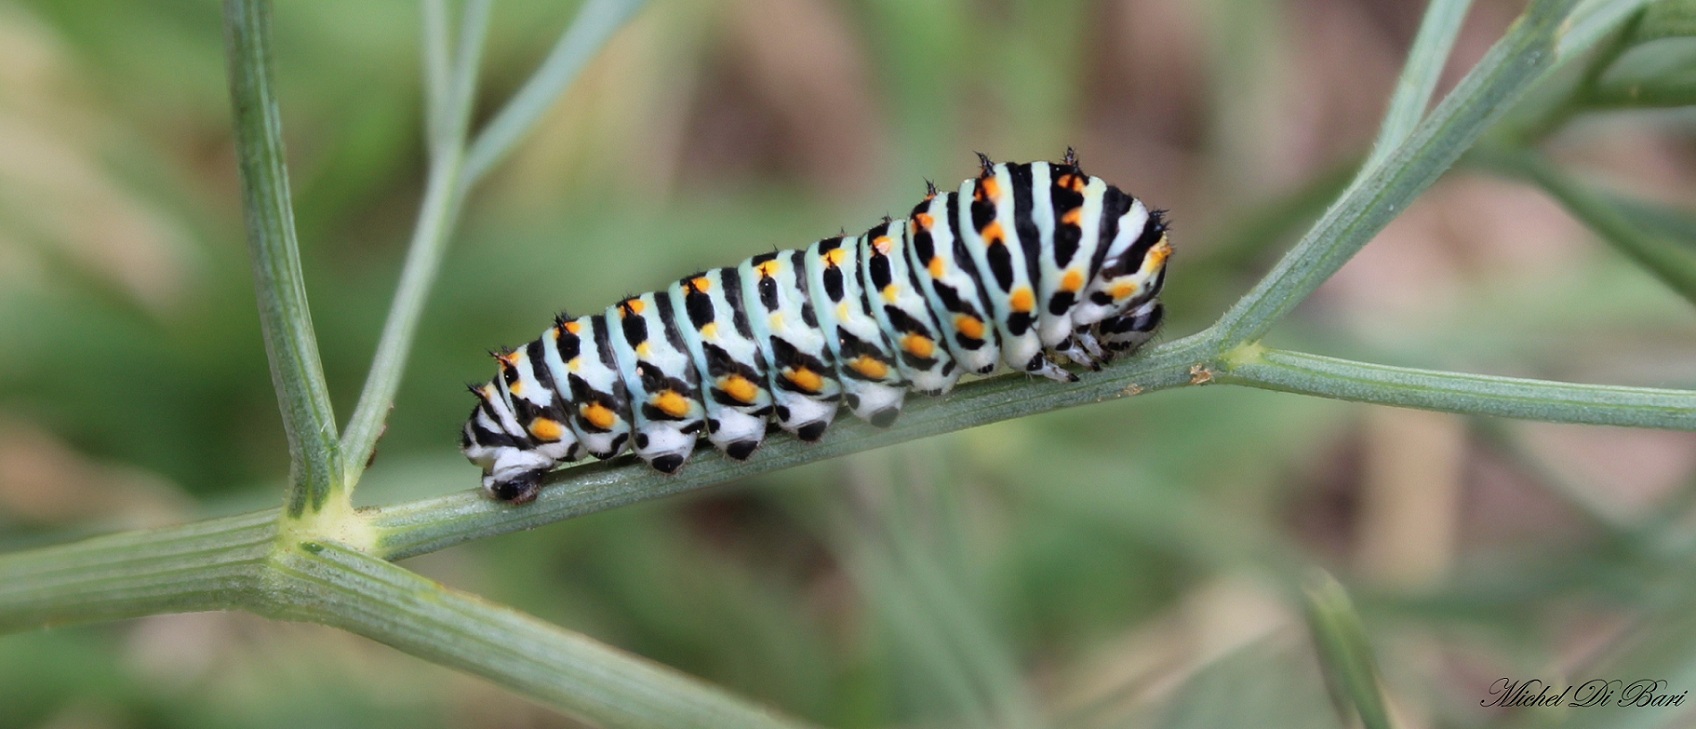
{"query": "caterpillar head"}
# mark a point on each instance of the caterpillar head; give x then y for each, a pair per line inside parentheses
(492, 439)
(1132, 271)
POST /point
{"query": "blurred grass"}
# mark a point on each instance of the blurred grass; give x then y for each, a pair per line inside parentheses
(1086, 547)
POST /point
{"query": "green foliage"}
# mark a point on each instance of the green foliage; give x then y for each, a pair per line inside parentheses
(898, 526)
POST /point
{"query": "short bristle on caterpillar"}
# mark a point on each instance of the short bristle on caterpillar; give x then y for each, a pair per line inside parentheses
(1024, 266)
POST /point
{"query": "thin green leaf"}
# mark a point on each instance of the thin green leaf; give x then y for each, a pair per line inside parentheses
(1661, 74)
(1425, 61)
(285, 319)
(450, 180)
(436, 51)
(595, 23)
(1667, 19)
(444, 196)
(1593, 20)
(1668, 260)
(1350, 670)
(1517, 61)
(1676, 225)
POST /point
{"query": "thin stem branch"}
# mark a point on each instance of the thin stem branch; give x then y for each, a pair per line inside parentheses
(462, 84)
(1456, 392)
(1674, 264)
(595, 23)
(1515, 62)
(1425, 61)
(450, 181)
(1351, 670)
(326, 583)
(285, 319)
(436, 217)
(444, 197)
(436, 50)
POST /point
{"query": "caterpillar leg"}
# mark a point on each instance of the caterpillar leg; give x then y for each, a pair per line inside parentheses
(1082, 348)
(874, 402)
(1042, 365)
(804, 417)
(736, 433)
(1125, 333)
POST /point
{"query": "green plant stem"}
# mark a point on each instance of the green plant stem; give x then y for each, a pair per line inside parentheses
(451, 178)
(1674, 224)
(1425, 60)
(450, 93)
(435, 49)
(237, 563)
(1455, 392)
(595, 23)
(285, 320)
(1662, 94)
(1589, 24)
(1351, 671)
(1668, 260)
(207, 565)
(433, 524)
(1512, 65)
(326, 583)
(436, 216)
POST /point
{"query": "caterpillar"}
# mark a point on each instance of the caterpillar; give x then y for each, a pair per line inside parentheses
(1022, 265)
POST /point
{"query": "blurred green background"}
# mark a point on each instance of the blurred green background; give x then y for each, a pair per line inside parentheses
(1127, 564)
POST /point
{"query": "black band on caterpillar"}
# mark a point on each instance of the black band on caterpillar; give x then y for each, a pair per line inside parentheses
(1022, 265)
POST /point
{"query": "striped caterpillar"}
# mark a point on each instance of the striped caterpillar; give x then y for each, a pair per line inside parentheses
(1025, 263)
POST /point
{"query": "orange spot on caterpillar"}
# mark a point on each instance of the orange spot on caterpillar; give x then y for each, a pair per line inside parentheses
(701, 284)
(1022, 299)
(924, 221)
(968, 325)
(992, 234)
(1126, 290)
(918, 345)
(806, 379)
(573, 327)
(1073, 217)
(936, 267)
(834, 256)
(869, 367)
(546, 429)
(709, 331)
(891, 293)
(599, 415)
(671, 403)
(1073, 281)
(988, 189)
(883, 244)
(739, 388)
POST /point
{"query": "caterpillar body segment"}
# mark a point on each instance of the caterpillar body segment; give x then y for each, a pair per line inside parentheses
(1023, 266)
